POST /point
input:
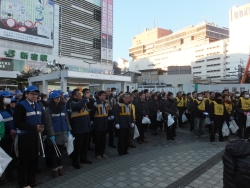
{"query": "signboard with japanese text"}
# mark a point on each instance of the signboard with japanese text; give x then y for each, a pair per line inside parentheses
(27, 20)
(6, 64)
(107, 30)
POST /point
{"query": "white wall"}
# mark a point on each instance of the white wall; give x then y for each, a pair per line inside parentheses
(176, 80)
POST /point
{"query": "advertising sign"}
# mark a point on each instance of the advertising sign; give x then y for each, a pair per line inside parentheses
(27, 20)
(107, 30)
(6, 64)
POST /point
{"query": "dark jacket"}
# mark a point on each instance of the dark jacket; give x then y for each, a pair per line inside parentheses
(80, 124)
(100, 120)
(123, 120)
(237, 151)
(170, 107)
(28, 144)
(141, 109)
(153, 108)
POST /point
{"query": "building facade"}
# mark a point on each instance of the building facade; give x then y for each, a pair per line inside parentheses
(69, 32)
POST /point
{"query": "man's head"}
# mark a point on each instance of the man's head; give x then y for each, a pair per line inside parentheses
(147, 95)
(131, 98)
(142, 96)
(76, 94)
(170, 95)
(113, 91)
(212, 95)
(135, 93)
(31, 93)
(102, 96)
(179, 94)
(225, 92)
(126, 98)
(194, 94)
(108, 92)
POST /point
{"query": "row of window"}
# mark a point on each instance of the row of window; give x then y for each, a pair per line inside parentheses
(213, 65)
(218, 70)
(214, 59)
(214, 53)
(213, 47)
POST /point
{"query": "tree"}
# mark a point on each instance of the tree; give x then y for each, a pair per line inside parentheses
(22, 78)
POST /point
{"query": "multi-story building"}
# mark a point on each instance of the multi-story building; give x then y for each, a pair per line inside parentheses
(73, 33)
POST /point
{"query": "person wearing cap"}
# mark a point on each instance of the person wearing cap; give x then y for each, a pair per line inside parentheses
(28, 121)
(65, 98)
(9, 135)
(218, 115)
(243, 108)
(81, 127)
(99, 117)
(58, 129)
(200, 113)
(170, 107)
(19, 96)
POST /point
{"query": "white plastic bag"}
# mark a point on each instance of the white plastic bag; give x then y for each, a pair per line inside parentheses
(225, 130)
(136, 132)
(207, 121)
(146, 120)
(170, 120)
(248, 121)
(159, 116)
(70, 144)
(184, 118)
(233, 126)
(4, 161)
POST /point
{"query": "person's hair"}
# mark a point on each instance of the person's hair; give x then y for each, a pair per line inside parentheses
(121, 99)
(113, 88)
(43, 95)
(163, 94)
(184, 95)
(194, 92)
(1, 102)
(188, 93)
(74, 92)
(210, 93)
(169, 94)
(100, 93)
(145, 91)
(225, 90)
(141, 93)
(135, 91)
(178, 93)
(224, 96)
(84, 90)
(108, 89)
(153, 96)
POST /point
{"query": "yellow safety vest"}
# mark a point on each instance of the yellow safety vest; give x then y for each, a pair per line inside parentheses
(99, 112)
(83, 112)
(229, 107)
(180, 102)
(186, 102)
(123, 111)
(110, 103)
(210, 101)
(133, 111)
(245, 103)
(201, 105)
(218, 109)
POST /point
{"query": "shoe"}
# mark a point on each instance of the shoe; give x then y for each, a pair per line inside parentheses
(61, 172)
(145, 141)
(132, 146)
(86, 161)
(104, 156)
(125, 152)
(99, 157)
(35, 184)
(2, 182)
(55, 174)
(139, 142)
(76, 166)
(120, 154)
(216, 134)
(10, 177)
(112, 146)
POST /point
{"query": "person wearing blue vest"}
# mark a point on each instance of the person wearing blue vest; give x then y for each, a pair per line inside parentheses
(58, 130)
(81, 127)
(29, 123)
(9, 135)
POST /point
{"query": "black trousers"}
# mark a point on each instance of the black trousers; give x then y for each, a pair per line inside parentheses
(181, 111)
(242, 125)
(141, 129)
(131, 135)
(191, 122)
(7, 145)
(111, 132)
(54, 159)
(80, 147)
(26, 173)
(100, 142)
(218, 124)
(154, 124)
(123, 140)
(170, 130)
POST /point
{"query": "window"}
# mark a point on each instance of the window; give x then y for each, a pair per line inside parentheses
(213, 65)
(97, 43)
(218, 58)
(218, 70)
(228, 69)
(200, 61)
(197, 67)
(97, 15)
(196, 72)
(213, 77)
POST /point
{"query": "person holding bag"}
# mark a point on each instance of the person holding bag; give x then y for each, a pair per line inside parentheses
(6, 143)
(58, 129)
(218, 115)
(154, 108)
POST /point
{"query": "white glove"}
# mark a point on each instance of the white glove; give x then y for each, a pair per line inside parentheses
(92, 123)
(109, 118)
(132, 125)
(112, 117)
(117, 126)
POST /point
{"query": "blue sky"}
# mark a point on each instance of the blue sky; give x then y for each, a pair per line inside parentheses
(169, 14)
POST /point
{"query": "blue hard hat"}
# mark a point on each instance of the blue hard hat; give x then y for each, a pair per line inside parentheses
(13, 99)
(54, 94)
(31, 88)
(18, 91)
(60, 92)
(69, 92)
(5, 94)
(66, 96)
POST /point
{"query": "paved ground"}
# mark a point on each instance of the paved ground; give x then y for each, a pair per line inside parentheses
(186, 162)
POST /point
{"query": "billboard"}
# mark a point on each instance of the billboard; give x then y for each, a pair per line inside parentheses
(107, 30)
(27, 20)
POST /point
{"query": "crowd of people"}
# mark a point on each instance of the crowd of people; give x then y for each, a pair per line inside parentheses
(39, 124)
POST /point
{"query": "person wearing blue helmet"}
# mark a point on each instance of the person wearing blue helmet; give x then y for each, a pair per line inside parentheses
(29, 123)
(9, 135)
(58, 130)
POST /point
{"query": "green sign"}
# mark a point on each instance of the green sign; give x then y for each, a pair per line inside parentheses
(34, 57)
(10, 53)
(24, 55)
(43, 57)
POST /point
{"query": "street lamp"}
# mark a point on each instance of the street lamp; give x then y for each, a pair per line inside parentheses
(89, 63)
